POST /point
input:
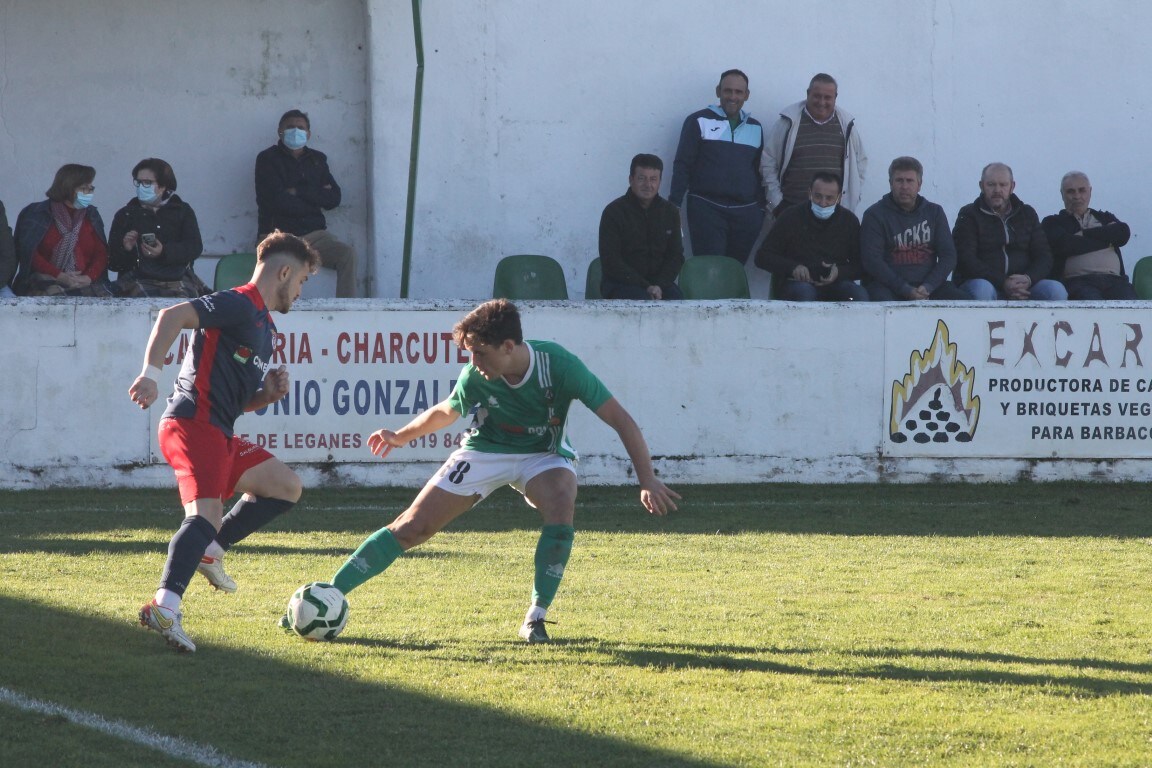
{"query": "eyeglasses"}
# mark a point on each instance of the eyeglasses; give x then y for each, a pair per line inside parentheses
(144, 182)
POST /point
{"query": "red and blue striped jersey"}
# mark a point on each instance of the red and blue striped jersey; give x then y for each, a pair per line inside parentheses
(229, 356)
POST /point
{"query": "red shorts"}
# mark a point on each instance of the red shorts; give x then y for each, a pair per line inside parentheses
(208, 465)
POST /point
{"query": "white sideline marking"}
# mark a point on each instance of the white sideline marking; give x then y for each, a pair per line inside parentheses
(169, 745)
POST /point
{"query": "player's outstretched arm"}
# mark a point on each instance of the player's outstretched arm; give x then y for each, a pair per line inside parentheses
(656, 497)
(439, 416)
(170, 322)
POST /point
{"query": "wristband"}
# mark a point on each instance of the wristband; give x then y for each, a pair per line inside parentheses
(150, 372)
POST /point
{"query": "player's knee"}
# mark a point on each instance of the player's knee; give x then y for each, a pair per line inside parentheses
(291, 487)
(410, 532)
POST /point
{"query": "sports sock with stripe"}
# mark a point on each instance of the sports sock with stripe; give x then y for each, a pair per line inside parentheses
(371, 558)
(552, 551)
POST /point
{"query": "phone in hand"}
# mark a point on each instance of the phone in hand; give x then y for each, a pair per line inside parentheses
(149, 239)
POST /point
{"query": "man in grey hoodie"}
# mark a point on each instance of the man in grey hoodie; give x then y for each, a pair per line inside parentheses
(906, 244)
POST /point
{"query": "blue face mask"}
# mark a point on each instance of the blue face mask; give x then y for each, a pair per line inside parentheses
(83, 200)
(295, 138)
(146, 193)
(821, 212)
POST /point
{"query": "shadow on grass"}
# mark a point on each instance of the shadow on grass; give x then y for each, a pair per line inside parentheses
(79, 545)
(1021, 509)
(1067, 676)
(253, 707)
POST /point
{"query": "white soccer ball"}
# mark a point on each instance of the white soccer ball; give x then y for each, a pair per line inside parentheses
(317, 611)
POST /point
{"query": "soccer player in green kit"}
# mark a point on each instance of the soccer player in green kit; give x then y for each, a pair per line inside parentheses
(519, 393)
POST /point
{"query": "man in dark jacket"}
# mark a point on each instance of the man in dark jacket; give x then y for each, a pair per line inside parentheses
(718, 166)
(641, 250)
(293, 189)
(1086, 245)
(1001, 249)
(813, 251)
(8, 261)
(905, 245)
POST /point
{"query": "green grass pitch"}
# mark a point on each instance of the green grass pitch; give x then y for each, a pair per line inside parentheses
(768, 625)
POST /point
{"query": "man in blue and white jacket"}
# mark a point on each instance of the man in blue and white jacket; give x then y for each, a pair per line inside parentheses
(718, 166)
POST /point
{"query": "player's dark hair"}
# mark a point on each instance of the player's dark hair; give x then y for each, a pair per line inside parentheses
(490, 323)
(289, 245)
(828, 177)
(70, 178)
(165, 176)
(646, 161)
(291, 114)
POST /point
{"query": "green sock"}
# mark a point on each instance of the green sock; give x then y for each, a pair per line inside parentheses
(370, 559)
(552, 553)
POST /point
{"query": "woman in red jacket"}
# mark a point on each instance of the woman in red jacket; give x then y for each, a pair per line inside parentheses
(60, 241)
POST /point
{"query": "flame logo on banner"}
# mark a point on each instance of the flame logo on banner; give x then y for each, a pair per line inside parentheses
(934, 403)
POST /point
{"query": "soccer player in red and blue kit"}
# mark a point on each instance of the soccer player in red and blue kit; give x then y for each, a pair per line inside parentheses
(227, 371)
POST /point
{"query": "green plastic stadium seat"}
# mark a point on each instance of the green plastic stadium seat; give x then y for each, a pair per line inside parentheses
(234, 269)
(713, 277)
(1142, 278)
(528, 276)
(592, 286)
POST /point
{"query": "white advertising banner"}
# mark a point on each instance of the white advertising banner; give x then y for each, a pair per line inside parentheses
(1033, 382)
(352, 372)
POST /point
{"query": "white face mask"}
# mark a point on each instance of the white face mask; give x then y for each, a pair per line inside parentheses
(295, 138)
(821, 212)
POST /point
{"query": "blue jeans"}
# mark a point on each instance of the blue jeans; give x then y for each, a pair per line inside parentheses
(841, 290)
(1109, 287)
(1044, 290)
(721, 230)
(947, 291)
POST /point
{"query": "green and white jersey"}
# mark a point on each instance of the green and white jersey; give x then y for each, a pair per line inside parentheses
(532, 416)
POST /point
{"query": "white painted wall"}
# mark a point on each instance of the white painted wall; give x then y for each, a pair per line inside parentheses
(725, 392)
(532, 111)
(201, 85)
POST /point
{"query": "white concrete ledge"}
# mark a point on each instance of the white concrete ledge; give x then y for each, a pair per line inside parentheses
(725, 391)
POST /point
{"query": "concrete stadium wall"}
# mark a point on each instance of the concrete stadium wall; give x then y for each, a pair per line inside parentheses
(201, 85)
(725, 392)
(533, 110)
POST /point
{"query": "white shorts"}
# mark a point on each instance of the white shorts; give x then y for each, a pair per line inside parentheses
(468, 473)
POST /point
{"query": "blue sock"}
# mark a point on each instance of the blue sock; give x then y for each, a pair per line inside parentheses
(184, 553)
(247, 517)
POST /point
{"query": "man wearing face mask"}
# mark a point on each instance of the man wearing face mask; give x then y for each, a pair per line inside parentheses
(293, 189)
(155, 238)
(813, 251)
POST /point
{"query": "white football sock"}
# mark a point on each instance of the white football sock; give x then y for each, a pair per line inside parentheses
(535, 613)
(168, 599)
(214, 551)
